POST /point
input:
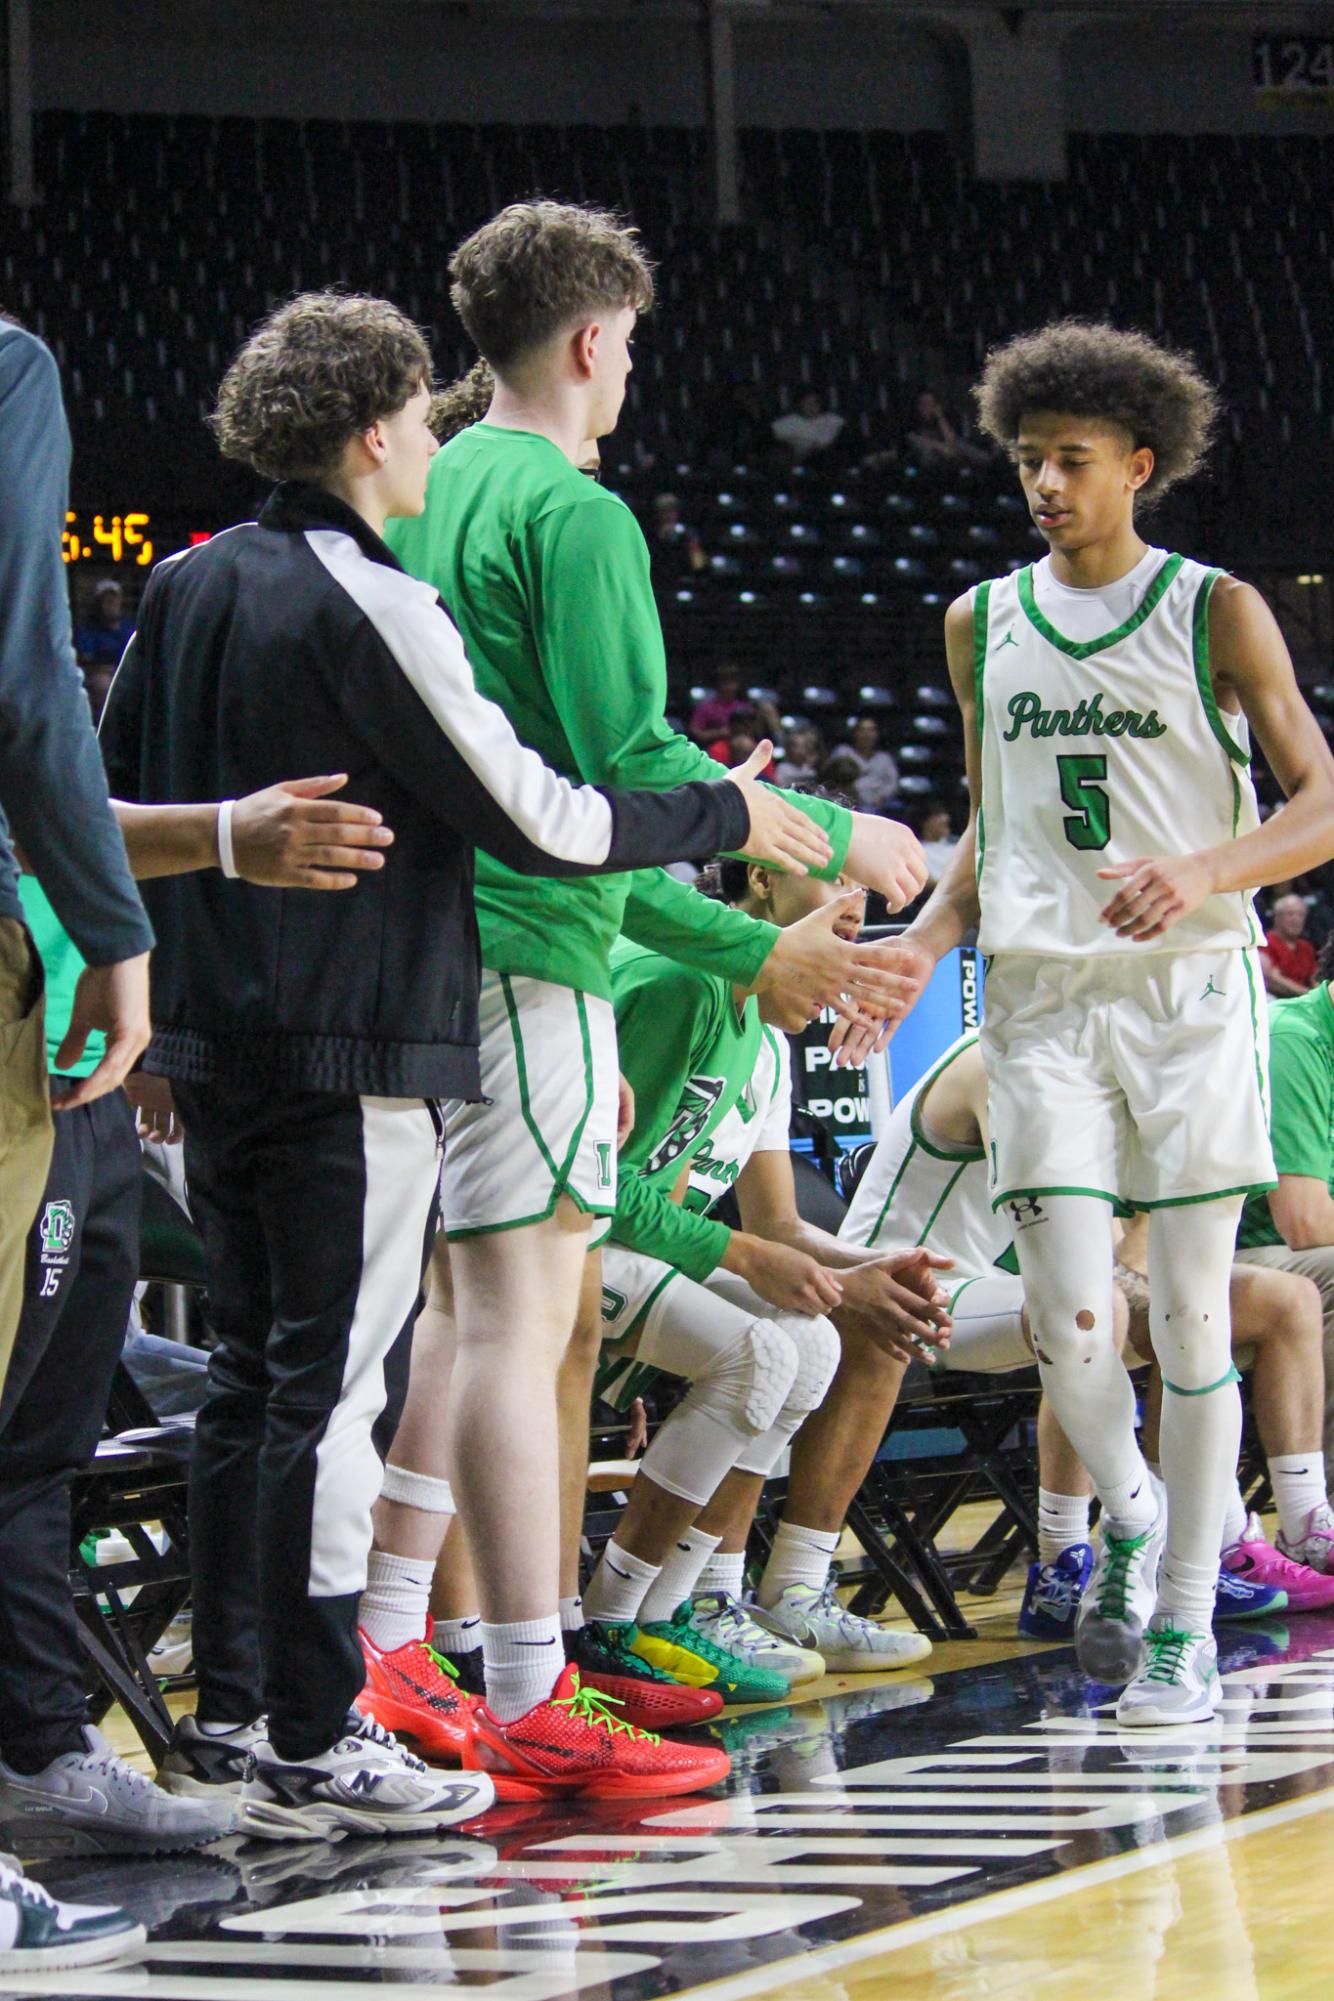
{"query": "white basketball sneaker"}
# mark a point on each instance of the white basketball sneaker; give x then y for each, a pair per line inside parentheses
(847, 1643)
(1178, 1682)
(1118, 1602)
(364, 1784)
(728, 1623)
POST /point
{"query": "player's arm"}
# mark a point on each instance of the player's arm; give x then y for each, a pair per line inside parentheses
(672, 918)
(891, 1295)
(952, 910)
(602, 657)
(288, 836)
(1248, 659)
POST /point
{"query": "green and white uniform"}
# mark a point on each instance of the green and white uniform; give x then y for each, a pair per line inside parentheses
(546, 575)
(1129, 1072)
(681, 1050)
(922, 1189)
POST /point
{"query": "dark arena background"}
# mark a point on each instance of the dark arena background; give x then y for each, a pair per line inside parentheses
(848, 204)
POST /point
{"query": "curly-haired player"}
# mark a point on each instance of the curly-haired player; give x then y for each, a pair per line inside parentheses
(1113, 845)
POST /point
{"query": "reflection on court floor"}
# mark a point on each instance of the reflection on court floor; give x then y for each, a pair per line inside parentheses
(861, 1834)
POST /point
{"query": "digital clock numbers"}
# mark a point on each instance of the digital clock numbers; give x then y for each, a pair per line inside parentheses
(114, 538)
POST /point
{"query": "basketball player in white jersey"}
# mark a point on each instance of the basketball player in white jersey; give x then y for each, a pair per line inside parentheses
(1110, 857)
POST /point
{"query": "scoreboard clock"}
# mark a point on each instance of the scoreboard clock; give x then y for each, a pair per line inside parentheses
(109, 538)
(1293, 69)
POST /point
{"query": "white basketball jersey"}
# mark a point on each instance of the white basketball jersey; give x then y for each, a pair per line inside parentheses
(1101, 751)
(920, 1191)
(757, 1123)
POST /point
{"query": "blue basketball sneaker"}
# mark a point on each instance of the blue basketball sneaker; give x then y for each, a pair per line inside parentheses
(1053, 1592)
(1240, 1597)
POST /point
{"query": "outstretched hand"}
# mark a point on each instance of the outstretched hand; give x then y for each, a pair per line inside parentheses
(779, 832)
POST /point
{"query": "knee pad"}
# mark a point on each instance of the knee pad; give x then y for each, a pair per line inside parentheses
(818, 1352)
(739, 1398)
(741, 1370)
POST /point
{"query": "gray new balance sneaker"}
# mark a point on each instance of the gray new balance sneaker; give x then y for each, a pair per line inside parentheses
(112, 1809)
(366, 1783)
(39, 1935)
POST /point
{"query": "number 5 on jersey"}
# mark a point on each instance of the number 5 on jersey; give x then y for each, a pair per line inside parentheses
(1089, 822)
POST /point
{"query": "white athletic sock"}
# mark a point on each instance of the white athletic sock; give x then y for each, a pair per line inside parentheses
(1235, 1520)
(523, 1661)
(571, 1614)
(799, 1556)
(396, 1599)
(679, 1575)
(458, 1636)
(1063, 1521)
(1298, 1481)
(619, 1586)
(724, 1571)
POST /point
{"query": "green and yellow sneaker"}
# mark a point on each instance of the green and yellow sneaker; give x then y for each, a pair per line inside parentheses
(680, 1649)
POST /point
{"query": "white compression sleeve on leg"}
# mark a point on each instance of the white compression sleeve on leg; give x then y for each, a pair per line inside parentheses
(818, 1350)
(1190, 1268)
(1064, 1247)
(741, 1366)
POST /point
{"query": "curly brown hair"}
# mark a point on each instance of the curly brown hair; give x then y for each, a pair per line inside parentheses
(542, 265)
(314, 375)
(463, 402)
(1153, 393)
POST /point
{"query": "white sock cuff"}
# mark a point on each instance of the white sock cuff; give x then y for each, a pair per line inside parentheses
(572, 1614)
(384, 1567)
(630, 1564)
(459, 1636)
(796, 1537)
(417, 1490)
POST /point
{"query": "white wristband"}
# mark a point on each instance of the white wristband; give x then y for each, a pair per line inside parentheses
(226, 856)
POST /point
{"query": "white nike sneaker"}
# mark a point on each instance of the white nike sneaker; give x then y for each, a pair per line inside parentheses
(728, 1623)
(848, 1643)
(1118, 1603)
(1178, 1682)
(39, 1935)
(108, 1807)
(364, 1784)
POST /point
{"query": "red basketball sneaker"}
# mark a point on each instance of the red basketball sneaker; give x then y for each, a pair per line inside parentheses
(575, 1742)
(648, 1698)
(412, 1691)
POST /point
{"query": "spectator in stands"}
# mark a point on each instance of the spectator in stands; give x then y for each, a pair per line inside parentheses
(101, 639)
(803, 756)
(935, 443)
(676, 553)
(810, 430)
(938, 837)
(1287, 955)
(713, 715)
(734, 427)
(876, 777)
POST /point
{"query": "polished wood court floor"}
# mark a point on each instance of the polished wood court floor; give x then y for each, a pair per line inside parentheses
(980, 1830)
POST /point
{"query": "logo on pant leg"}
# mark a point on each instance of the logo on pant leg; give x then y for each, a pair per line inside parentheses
(57, 1229)
(55, 1233)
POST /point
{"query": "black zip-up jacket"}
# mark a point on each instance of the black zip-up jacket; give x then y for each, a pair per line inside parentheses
(297, 645)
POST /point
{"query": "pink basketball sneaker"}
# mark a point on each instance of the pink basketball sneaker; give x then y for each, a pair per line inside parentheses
(1251, 1556)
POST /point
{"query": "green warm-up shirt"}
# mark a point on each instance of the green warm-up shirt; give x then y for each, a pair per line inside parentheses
(546, 575)
(62, 964)
(689, 1052)
(1301, 1097)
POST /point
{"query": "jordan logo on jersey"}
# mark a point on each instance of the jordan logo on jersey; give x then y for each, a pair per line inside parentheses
(1087, 719)
(1009, 640)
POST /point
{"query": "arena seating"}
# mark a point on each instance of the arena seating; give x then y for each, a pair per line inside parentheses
(878, 265)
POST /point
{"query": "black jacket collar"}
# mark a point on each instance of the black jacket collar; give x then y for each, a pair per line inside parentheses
(296, 505)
